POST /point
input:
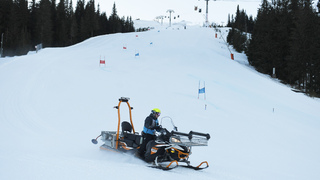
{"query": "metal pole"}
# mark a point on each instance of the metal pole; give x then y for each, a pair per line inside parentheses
(170, 11)
(170, 20)
(204, 86)
(199, 89)
(161, 17)
(207, 13)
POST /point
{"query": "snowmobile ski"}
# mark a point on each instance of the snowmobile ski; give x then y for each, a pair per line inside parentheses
(196, 167)
(171, 166)
(163, 167)
(168, 167)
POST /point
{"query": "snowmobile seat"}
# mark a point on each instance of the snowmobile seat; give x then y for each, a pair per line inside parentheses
(132, 140)
(126, 126)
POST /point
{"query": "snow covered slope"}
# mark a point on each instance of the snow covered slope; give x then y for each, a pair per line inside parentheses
(54, 102)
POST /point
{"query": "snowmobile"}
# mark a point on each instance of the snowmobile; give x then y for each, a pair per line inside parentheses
(168, 151)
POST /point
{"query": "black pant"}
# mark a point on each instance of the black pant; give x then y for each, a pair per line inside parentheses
(146, 138)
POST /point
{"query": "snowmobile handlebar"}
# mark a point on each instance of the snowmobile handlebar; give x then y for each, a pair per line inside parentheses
(191, 133)
(200, 134)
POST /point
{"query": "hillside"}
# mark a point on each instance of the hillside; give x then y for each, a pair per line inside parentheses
(52, 103)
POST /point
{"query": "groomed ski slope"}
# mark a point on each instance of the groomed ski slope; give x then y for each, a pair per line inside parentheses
(52, 103)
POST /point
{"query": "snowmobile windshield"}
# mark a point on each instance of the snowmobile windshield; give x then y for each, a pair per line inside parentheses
(167, 122)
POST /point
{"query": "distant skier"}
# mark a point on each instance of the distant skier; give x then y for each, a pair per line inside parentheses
(151, 125)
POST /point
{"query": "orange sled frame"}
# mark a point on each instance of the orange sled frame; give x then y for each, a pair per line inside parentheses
(126, 139)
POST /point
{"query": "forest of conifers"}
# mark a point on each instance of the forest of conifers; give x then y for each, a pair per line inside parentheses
(23, 25)
(285, 36)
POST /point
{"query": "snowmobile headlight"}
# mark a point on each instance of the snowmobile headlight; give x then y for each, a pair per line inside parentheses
(175, 140)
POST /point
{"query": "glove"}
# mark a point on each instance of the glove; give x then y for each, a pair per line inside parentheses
(158, 128)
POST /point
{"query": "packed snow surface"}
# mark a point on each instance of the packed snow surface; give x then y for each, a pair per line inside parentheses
(52, 103)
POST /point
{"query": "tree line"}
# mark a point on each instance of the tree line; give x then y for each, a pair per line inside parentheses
(24, 25)
(240, 25)
(286, 36)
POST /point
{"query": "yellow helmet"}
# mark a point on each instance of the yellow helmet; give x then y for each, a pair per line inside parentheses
(156, 110)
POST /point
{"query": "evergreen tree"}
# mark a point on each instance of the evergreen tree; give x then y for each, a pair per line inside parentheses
(54, 24)
(240, 20)
(115, 20)
(250, 24)
(90, 20)
(238, 39)
(79, 16)
(44, 23)
(304, 50)
(5, 21)
(5, 12)
(34, 34)
(258, 49)
(280, 37)
(237, 36)
(104, 24)
(73, 27)
(131, 25)
(19, 36)
(61, 26)
(229, 21)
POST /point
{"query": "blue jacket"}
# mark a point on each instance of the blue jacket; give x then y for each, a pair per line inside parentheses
(150, 125)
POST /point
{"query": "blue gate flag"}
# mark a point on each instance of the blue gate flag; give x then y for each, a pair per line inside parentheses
(203, 90)
(137, 54)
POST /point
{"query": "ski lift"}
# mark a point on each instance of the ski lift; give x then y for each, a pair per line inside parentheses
(199, 10)
(195, 8)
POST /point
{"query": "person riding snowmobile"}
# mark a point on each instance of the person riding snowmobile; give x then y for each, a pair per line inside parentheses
(151, 125)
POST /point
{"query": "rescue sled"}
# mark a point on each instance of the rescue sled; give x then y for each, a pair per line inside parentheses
(168, 151)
